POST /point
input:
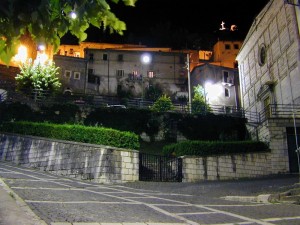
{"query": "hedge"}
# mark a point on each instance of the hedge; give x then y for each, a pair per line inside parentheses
(209, 148)
(78, 133)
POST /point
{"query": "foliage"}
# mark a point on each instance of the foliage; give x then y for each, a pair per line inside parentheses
(78, 133)
(153, 92)
(212, 127)
(162, 104)
(208, 148)
(16, 111)
(49, 20)
(199, 104)
(38, 76)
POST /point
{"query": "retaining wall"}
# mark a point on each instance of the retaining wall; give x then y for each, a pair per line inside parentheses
(226, 167)
(105, 164)
(102, 164)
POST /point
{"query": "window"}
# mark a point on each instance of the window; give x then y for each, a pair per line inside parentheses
(150, 74)
(90, 71)
(71, 51)
(267, 108)
(105, 57)
(227, 93)
(93, 79)
(77, 75)
(67, 74)
(225, 76)
(133, 75)
(182, 59)
(262, 55)
(91, 57)
(120, 73)
(236, 46)
(120, 57)
(66, 52)
(227, 46)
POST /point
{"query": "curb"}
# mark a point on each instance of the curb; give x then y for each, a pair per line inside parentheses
(18, 202)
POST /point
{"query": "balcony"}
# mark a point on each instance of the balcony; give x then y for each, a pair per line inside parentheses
(279, 111)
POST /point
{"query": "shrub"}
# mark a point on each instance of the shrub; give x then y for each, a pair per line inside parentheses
(163, 104)
(78, 133)
(209, 148)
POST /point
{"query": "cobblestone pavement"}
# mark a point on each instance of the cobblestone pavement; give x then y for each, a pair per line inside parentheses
(59, 200)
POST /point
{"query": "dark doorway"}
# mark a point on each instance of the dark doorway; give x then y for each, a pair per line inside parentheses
(292, 146)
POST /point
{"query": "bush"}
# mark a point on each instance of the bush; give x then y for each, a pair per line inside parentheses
(207, 148)
(78, 133)
(163, 104)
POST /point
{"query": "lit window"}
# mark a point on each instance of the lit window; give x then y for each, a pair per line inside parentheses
(150, 74)
(77, 75)
(67, 74)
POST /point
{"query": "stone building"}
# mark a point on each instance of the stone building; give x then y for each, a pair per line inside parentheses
(221, 85)
(269, 78)
(104, 71)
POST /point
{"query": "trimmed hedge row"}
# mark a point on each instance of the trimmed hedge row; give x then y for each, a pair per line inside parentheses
(78, 133)
(207, 148)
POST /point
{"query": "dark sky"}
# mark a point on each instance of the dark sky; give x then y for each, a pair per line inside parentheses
(180, 23)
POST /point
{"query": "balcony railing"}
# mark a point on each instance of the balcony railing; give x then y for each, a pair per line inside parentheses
(279, 111)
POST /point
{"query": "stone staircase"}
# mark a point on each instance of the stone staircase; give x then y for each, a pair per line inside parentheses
(291, 196)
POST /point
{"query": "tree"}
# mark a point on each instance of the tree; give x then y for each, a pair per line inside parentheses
(35, 76)
(199, 104)
(47, 21)
(162, 104)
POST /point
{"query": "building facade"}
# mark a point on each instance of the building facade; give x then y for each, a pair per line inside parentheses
(221, 85)
(107, 71)
(269, 78)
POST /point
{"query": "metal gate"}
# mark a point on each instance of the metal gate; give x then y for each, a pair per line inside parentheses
(160, 168)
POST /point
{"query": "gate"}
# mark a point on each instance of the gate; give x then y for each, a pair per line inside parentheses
(160, 168)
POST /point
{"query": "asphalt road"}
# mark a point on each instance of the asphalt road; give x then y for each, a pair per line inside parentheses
(45, 198)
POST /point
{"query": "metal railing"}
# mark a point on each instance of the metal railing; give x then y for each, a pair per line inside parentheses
(279, 111)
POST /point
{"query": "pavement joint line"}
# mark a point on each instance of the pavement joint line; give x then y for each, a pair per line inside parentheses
(195, 213)
(258, 221)
(82, 202)
(281, 218)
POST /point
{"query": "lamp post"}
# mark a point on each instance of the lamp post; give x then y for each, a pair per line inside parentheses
(189, 83)
(145, 59)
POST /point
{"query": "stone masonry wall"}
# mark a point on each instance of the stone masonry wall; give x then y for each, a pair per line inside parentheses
(226, 167)
(102, 164)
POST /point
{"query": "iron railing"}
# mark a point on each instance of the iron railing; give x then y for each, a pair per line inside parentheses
(276, 111)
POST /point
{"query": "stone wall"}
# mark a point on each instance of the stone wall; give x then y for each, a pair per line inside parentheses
(226, 167)
(102, 164)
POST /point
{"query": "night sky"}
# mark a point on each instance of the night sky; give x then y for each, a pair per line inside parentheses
(179, 24)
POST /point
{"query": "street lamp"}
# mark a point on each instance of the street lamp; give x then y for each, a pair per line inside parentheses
(145, 59)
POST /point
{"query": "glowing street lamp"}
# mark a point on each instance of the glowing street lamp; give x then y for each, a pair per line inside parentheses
(145, 59)
(211, 91)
